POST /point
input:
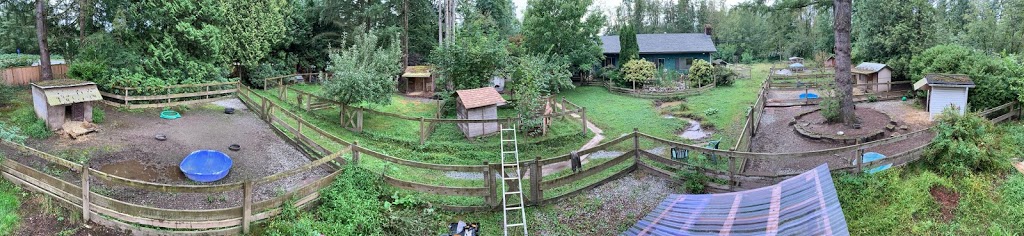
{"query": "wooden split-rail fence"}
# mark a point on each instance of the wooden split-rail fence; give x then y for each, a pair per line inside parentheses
(168, 96)
(94, 207)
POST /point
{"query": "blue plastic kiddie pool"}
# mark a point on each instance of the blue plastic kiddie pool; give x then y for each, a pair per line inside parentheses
(206, 166)
(808, 96)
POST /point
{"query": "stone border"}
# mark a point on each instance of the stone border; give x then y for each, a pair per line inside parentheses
(832, 137)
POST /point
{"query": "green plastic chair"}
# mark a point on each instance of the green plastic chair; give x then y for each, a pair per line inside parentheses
(713, 145)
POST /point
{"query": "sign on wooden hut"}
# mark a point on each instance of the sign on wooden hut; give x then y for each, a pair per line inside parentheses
(478, 104)
(65, 104)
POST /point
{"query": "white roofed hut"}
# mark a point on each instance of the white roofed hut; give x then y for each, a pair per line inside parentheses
(64, 101)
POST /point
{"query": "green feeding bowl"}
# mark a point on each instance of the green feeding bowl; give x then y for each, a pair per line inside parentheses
(170, 115)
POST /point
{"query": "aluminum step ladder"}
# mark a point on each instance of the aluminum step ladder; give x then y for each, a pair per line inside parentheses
(510, 159)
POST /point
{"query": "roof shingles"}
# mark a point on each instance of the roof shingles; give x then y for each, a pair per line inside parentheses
(663, 43)
(480, 97)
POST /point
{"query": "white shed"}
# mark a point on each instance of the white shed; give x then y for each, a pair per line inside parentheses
(874, 77)
(945, 90)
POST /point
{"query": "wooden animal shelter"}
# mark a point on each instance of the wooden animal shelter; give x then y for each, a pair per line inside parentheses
(417, 81)
(478, 104)
(64, 101)
(945, 90)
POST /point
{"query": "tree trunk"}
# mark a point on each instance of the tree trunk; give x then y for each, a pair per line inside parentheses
(844, 78)
(44, 52)
(405, 36)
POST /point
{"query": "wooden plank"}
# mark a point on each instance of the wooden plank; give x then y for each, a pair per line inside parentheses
(561, 181)
(26, 179)
(594, 149)
(166, 188)
(247, 206)
(997, 108)
(303, 168)
(302, 203)
(161, 213)
(146, 231)
(171, 104)
(440, 190)
(178, 95)
(416, 164)
(99, 212)
(45, 156)
(311, 188)
(58, 184)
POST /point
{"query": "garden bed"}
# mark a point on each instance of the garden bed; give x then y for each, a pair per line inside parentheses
(812, 125)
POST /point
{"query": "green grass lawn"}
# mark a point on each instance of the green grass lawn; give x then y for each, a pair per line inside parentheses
(732, 104)
(9, 203)
(619, 114)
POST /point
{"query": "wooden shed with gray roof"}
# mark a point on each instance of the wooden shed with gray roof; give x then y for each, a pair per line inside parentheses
(667, 51)
(874, 77)
(64, 100)
(945, 90)
(478, 104)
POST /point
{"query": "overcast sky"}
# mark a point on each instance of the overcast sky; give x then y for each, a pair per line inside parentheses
(606, 6)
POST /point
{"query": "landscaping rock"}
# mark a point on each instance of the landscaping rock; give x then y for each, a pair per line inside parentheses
(894, 134)
(904, 127)
(890, 127)
(893, 122)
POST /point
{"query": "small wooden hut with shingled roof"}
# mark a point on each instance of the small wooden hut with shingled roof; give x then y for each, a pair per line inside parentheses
(63, 100)
(417, 81)
(478, 104)
(945, 90)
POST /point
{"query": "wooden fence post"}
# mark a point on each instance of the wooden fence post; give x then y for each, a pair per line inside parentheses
(583, 116)
(247, 206)
(85, 194)
(423, 130)
(859, 159)
(492, 190)
(126, 98)
(355, 153)
(280, 85)
(732, 172)
(359, 120)
(636, 145)
(535, 181)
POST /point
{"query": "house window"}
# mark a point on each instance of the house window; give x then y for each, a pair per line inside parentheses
(689, 62)
(609, 61)
(661, 63)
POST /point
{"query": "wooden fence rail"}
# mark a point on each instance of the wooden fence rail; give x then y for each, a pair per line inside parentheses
(173, 95)
(18, 76)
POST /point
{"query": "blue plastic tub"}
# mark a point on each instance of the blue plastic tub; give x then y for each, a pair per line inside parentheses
(808, 96)
(206, 166)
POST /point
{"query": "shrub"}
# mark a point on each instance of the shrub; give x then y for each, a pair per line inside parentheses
(830, 109)
(702, 73)
(638, 71)
(963, 144)
(11, 133)
(725, 76)
(98, 115)
(7, 94)
(694, 182)
(88, 71)
(710, 111)
(16, 60)
(31, 125)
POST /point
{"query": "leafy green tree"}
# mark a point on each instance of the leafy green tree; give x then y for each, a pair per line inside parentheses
(253, 27)
(16, 24)
(963, 145)
(992, 74)
(364, 72)
(472, 59)
(502, 12)
(628, 47)
(537, 77)
(892, 32)
(564, 28)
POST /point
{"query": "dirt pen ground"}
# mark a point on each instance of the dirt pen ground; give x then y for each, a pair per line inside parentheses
(775, 135)
(126, 147)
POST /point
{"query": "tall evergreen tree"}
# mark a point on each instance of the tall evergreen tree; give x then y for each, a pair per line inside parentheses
(891, 32)
(628, 47)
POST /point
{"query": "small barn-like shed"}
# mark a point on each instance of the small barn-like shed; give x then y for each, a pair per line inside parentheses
(417, 81)
(830, 62)
(796, 60)
(478, 104)
(874, 74)
(945, 90)
(64, 100)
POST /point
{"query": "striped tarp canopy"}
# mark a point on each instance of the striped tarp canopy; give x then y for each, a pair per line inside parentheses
(803, 205)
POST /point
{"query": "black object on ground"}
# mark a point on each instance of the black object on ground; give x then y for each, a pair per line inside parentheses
(161, 137)
(464, 229)
(234, 147)
(228, 110)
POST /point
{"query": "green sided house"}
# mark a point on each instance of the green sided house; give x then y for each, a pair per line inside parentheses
(667, 51)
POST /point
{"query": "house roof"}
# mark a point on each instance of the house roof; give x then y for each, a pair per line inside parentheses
(945, 80)
(417, 72)
(480, 97)
(68, 91)
(806, 204)
(663, 43)
(869, 68)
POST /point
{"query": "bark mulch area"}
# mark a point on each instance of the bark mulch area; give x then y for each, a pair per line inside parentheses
(947, 200)
(871, 122)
